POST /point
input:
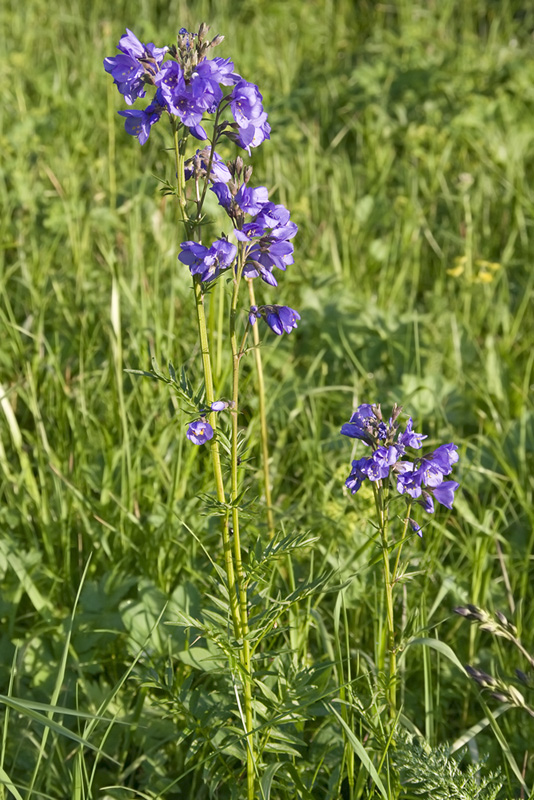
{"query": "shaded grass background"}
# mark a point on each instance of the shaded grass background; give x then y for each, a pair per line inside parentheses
(402, 141)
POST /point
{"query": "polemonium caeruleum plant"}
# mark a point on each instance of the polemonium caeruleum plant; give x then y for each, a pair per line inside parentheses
(209, 108)
(201, 97)
(397, 473)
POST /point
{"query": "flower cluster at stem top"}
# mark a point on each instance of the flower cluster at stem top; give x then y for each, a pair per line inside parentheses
(188, 88)
(187, 85)
(420, 479)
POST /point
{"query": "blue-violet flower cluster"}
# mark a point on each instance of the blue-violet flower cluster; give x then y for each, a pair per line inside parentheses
(187, 86)
(420, 479)
(266, 235)
(208, 262)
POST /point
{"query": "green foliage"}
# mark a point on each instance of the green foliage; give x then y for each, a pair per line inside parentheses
(402, 143)
(426, 772)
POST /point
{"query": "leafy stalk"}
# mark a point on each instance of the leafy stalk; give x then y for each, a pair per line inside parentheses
(263, 419)
(380, 494)
(208, 382)
(237, 354)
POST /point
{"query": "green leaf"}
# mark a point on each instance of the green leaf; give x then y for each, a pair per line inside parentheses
(27, 709)
(441, 647)
(267, 780)
(5, 780)
(360, 751)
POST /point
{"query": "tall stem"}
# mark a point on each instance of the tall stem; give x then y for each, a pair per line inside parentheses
(263, 419)
(237, 353)
(179, 153)
(381, 508)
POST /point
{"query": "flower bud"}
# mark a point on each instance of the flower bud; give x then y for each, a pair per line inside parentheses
(202, 31)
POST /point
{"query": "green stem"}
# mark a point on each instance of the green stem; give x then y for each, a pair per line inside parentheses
(179, 152)
(246, 662)
(263, 419)
(381, 508)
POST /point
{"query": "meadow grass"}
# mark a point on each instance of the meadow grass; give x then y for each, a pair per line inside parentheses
(402, 141)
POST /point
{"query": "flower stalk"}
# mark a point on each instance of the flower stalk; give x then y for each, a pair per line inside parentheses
(263, 419)
(210, 397)
(419, 480)
(389, 581)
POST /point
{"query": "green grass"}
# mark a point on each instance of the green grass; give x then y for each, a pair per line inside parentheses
(402, 141)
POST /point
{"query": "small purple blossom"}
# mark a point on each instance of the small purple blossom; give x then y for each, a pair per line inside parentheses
(251, 136)
(208, 262)
(223, 194)
(170, 81)
(444, 493)
(246, 105)
(139, 123)
(279, 318)
(381, 461)
(409, 480)
(358, 474)
(272, 248)
(136, 60)
(199, 432)
(251, 127)
(358, 426)
(409, 438)
(251, 201)
(219, 405)
(416, 528)
(267, 234)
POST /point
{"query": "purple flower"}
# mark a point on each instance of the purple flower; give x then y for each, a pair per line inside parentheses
(409, 438)
(246, 105)
(444, 493)
(276, 218)
(250, 200)
(272, 248)
(198, 132)
(251, 128)
(170, 81)
(358, 475)
(249, 232)
(208, 262)
(138, 123)
(224, 71)
(252, 136)
(409, 480)
(358, 426)
(278, 318)
(219, 405)
(199, 432)
(188, 101)
(223, 194)
(445, 455)
(267, 234)
(426, 501)
(437, 464)
(377, 467)
(135, 61)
